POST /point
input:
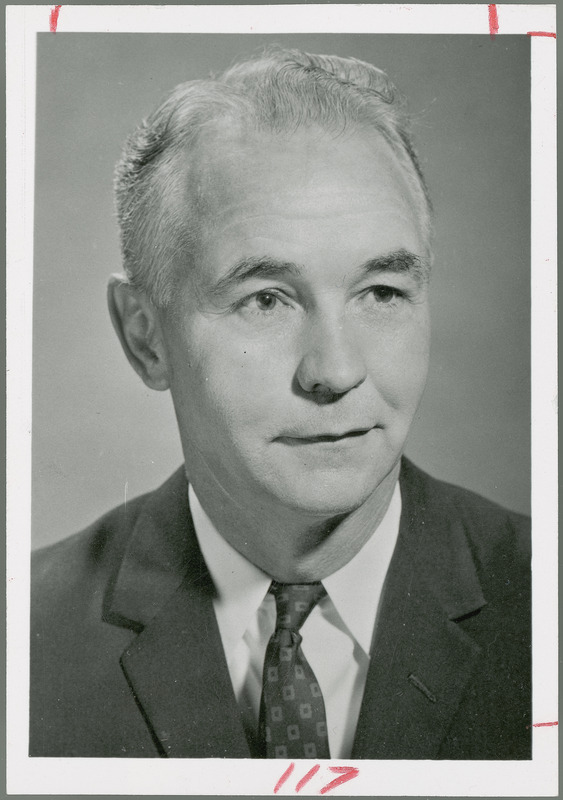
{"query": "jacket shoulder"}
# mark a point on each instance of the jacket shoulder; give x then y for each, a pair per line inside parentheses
(464, 499)
(90, 552)
(79, 699)
(77, 570)
(492, 531)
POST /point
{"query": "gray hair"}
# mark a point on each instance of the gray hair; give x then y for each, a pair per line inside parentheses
(278, 91)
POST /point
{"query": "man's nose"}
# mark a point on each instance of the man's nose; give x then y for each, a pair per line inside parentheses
(333, 361)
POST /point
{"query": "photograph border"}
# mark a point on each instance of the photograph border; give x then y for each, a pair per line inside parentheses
(25, 775)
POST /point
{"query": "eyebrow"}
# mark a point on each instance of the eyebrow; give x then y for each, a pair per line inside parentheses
(254, 267)
(398, 261)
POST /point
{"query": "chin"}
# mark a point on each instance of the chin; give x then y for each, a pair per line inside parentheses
(328, 496)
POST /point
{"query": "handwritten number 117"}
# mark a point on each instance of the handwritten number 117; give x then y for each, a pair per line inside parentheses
(344, 774)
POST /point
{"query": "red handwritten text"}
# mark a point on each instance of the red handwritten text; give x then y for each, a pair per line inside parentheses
(344, 774)
(312, 772)
(284, 777)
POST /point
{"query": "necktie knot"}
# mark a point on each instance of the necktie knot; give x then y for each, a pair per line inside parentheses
(294, 603)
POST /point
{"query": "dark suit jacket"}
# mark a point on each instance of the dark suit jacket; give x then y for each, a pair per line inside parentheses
(127, 658)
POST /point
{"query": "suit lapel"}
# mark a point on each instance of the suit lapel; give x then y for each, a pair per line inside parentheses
(421, 659)
(176, 666)
(179, 677)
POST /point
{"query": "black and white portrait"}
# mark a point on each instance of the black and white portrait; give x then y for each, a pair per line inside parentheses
(281, 399)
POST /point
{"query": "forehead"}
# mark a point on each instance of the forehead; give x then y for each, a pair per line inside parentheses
(303, 196)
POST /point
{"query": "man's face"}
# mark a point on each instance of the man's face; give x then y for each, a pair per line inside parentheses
(297, 348)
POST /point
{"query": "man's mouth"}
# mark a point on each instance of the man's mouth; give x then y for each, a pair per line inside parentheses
(325, 437)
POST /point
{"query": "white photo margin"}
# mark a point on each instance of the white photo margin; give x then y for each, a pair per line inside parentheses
(61, 776)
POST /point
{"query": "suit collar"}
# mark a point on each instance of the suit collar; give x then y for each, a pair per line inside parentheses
(433, 533)
(157, 554)
(421, 660)
(175, 667)
(178, 675)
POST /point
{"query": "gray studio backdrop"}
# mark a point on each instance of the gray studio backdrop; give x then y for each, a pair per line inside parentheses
(100, 436)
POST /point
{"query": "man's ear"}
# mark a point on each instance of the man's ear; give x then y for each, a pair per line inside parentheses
(136, 323)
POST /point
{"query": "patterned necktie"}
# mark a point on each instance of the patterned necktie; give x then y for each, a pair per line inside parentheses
(292, 710)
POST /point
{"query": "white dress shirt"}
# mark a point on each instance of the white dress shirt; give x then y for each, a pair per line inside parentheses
(337, 635)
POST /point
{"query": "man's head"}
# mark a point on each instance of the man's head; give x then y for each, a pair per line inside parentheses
(289, 317)
(161, 205)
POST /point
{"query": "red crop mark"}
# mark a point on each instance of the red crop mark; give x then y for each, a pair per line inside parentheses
(306, 778)
(543, 725)
(542, 33)
(346, 774)
(284, 777)
(493, 20)
(54, 19)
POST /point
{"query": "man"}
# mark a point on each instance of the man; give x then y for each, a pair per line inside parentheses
(298, 589)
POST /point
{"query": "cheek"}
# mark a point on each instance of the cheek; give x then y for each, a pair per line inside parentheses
(230, 386)
(399, 366)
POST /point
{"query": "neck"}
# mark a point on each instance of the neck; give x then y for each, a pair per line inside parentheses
(297, 548)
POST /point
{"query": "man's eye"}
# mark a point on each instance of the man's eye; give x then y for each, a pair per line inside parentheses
(265, 301)
(385, 294)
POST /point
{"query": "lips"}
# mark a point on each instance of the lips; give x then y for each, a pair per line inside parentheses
(325, 437)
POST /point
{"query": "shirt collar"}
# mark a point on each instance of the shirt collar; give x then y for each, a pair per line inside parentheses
(355, 589)
(241, 586)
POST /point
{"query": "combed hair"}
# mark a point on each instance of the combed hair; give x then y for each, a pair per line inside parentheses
(279, 92)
